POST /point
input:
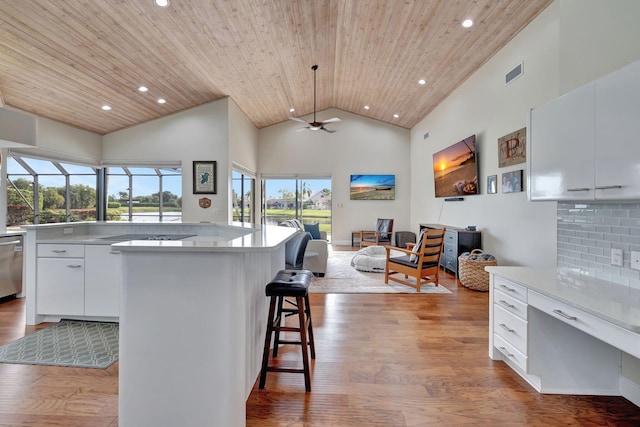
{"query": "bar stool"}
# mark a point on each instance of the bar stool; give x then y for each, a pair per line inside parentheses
(292, 284)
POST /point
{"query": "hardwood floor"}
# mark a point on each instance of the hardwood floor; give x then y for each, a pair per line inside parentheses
(382, 360)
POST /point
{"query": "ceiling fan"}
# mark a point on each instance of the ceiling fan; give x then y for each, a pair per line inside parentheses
(316, 125)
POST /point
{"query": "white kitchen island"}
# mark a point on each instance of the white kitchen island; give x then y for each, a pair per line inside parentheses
(192, 325)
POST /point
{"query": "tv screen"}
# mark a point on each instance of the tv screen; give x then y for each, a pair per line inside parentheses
(455, 169)
(373, 187)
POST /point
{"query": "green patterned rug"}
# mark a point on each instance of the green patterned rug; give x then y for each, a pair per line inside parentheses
(68, 343)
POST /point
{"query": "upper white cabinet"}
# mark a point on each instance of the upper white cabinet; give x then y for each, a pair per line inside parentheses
(582, 144)
(561, 148)
(617, 134)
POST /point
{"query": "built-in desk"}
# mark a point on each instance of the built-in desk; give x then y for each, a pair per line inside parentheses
(564, 332)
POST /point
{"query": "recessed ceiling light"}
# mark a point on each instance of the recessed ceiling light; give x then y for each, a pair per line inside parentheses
(162, 3)
(396, 116)
(467, 23)
(422, 81)
(143, 89)
(291, 110)
(366, 107)
(106, 107)
(162, 101)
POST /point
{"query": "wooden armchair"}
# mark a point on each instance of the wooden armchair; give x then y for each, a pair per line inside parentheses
(380, 237)
(421, 262)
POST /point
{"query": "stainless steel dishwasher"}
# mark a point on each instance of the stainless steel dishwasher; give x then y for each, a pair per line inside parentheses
(10, 265)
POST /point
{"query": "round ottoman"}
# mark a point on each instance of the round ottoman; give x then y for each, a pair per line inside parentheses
(372, 259)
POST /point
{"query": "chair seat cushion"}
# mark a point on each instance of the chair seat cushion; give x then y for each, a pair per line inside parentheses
(294, 283)
(406, 261)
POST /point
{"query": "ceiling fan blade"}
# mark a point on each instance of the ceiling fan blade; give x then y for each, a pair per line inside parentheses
(332, 120)
(302, 129)
(296, 119)
(327, 129)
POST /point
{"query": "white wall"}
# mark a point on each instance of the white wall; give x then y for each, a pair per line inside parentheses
(516, 231)
(243, 148)
(58, 141)
(360, 146)
(200, 133)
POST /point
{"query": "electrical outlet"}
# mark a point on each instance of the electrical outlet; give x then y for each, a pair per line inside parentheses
(635, 260)
(616, 257)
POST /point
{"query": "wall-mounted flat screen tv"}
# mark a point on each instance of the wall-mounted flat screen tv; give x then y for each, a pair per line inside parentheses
(373, 187)
(455, 169)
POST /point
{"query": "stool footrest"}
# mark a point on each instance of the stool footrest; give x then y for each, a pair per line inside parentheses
(291, 370)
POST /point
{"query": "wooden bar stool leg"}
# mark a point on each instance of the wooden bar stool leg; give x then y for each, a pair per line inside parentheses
(267, 341)
(303, 343)
(312, 344)
(277, 321)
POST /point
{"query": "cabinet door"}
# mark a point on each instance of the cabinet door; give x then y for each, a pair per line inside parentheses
(562, 146)
(60, 286)
(618, 135)
(102, 281)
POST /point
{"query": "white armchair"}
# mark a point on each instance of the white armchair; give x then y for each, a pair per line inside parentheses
(317, 252)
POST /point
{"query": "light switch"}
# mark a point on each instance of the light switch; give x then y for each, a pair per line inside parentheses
(635, 260)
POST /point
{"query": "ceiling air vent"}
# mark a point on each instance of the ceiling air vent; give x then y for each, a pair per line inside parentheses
(514, 74)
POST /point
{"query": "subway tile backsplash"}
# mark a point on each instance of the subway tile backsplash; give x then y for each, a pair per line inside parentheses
(588, 231)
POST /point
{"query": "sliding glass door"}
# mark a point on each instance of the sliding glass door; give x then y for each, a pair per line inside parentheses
(306, 199)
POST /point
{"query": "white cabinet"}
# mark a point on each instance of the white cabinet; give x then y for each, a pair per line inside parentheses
(77, 280)
(60, 286)
(584, 145)
(102, 281)
(617, 106)
(561, 147)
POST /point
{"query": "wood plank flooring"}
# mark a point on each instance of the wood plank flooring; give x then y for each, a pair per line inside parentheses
(382, 360)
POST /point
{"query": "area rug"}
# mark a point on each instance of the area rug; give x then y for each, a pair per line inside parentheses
(342, 278)
(67, 343)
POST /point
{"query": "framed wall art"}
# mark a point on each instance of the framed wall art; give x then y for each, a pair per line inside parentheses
(512, 181)
(372, 187)
(492, 184)
(204, 177)
(512, 148)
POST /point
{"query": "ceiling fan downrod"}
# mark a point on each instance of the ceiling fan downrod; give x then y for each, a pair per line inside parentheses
(314, 68)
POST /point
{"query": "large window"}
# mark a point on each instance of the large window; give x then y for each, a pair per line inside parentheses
(242, 188)
(145, 194)
(45, 191)
(306, 199)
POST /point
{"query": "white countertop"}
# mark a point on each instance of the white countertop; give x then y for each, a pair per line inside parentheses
(618, 304)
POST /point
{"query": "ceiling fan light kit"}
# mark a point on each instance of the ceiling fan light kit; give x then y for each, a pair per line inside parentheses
(315, 124)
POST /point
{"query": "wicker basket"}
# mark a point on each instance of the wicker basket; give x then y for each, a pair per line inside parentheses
(471, 271)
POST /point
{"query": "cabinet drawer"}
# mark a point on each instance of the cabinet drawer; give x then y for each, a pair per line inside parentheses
(60, 251)
(510, 288)
(510, 352)
(608, 332)
(451, 238)
(511, 304)
(451, 263)
(511, 328)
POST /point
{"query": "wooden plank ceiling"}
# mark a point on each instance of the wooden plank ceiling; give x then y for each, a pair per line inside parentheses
(64, 59)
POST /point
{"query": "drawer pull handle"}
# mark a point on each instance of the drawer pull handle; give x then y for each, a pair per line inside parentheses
(507, 288)
(578, 189)
(506, 304)
(609, 187)
(506, 328)
(74, 266)
(506, 352)
(565, 315)
(58, 251)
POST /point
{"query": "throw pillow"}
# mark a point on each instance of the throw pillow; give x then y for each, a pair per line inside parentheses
(417, 247)
(314, 229)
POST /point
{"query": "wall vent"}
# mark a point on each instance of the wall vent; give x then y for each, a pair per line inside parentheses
(426, 135)
(516, 72)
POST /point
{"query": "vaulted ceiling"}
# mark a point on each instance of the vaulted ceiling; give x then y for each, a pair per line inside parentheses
(65, 59)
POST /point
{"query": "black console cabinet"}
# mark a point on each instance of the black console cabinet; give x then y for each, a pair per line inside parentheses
(456, 241)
